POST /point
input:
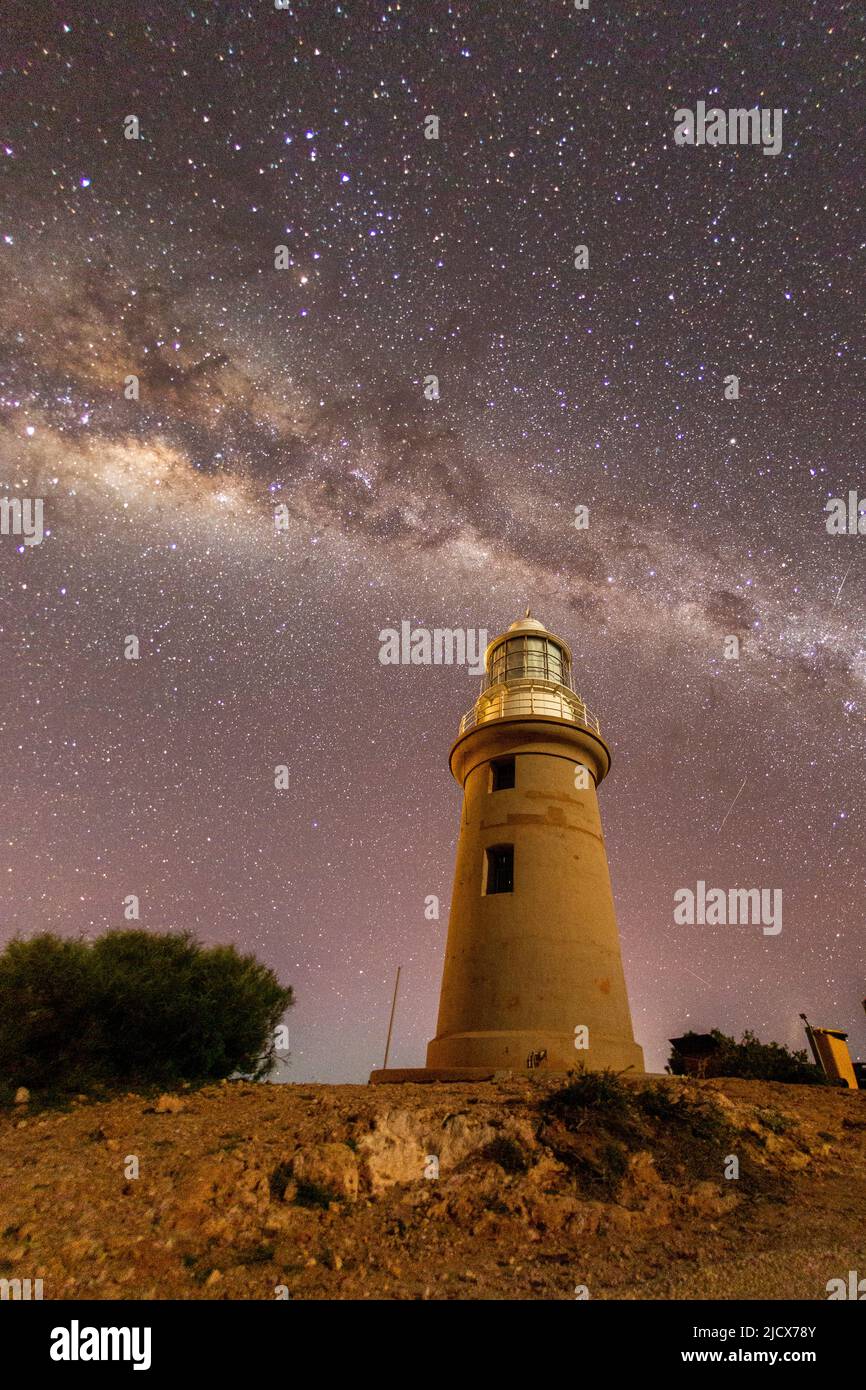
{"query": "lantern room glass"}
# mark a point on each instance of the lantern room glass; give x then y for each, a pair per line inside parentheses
(529, 658)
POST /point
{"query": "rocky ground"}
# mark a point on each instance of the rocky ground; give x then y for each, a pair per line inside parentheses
(500, 1190)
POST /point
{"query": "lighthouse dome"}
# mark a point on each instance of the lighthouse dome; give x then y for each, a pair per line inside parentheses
(527, 624)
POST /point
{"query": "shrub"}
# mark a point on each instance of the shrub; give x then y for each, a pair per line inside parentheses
(590, 1125)
(753, 1060)
(594, 1122)
(133, 1009)
(601, 1092)
(656, 1103)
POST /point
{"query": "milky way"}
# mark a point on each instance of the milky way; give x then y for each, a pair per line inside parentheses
(559, 387)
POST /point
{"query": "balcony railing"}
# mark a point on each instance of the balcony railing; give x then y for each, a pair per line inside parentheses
(546, 699)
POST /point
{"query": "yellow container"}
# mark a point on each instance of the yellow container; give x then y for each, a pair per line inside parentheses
(831, 1047)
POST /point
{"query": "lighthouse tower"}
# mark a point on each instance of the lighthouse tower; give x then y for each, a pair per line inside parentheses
(533, 974)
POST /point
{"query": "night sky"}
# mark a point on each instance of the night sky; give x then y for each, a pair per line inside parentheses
(559, 387)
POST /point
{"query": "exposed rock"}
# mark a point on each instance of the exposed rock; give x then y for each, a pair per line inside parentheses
(223, 1198)
(393, 1151)
(402, 1141)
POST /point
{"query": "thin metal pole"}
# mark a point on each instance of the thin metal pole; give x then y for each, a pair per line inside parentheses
(391, 1020)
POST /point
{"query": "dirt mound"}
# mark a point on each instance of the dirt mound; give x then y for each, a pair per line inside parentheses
(520, 1188)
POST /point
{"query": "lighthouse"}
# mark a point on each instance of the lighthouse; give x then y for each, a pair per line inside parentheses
(533, 975)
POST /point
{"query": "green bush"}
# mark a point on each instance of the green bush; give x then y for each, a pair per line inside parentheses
(753, 1060)
(596, 1121)
(601, 1092)
(133, 1009)
(656, 1103)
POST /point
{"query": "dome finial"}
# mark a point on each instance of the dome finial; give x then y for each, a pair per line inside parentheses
(527, 624)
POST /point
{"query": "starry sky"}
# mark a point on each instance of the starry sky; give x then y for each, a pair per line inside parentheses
(603, 387)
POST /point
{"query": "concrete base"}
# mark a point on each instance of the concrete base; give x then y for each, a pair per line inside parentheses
(508, 1051)
(396, 1076)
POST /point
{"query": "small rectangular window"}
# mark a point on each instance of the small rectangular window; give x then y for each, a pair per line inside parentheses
(501, 774)
(500, 869)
